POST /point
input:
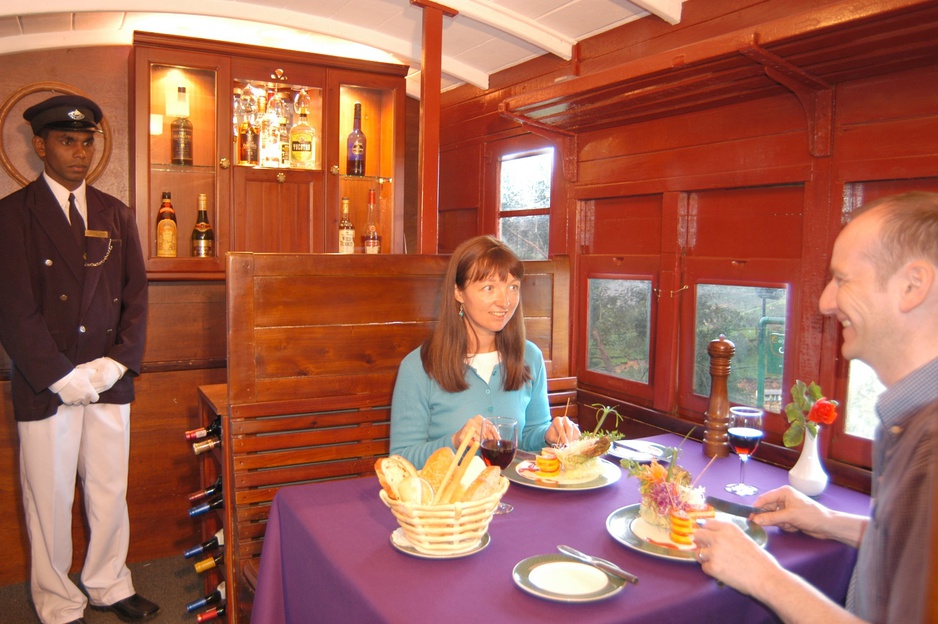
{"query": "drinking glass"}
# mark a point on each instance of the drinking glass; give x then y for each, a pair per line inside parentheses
(498, 446)
(745, 432)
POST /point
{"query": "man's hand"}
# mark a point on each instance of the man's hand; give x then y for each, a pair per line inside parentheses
(78, 389)
(105, 371)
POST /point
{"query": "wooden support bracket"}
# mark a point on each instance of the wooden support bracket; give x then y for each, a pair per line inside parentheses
(564, 140)
(816, 96)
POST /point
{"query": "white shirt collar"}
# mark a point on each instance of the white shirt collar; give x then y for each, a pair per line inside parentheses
(61, 195)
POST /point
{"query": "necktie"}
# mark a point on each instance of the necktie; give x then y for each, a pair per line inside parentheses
(78, 224)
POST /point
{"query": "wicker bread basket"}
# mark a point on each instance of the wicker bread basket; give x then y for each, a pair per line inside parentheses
(445, 529)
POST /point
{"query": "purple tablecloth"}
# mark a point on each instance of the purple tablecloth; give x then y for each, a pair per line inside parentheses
(327, 558)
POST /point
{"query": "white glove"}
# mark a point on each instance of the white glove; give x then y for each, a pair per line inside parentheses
(78, 389)
(105, 371)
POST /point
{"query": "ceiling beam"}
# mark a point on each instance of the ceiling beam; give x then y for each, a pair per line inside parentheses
(668, 10)
(516, 25)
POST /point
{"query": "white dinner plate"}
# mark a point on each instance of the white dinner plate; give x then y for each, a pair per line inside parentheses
(640, 451)
(630, 529)
(401, 543)
(557, 577)
(524, 472)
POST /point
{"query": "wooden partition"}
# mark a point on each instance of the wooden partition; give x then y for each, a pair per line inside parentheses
(314, 343)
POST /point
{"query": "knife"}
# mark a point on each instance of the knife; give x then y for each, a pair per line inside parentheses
(736, 509)
(606, 566)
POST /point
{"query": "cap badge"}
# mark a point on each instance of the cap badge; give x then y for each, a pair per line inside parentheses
(76, 115)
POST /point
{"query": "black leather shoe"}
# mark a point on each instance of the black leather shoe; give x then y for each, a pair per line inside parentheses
(135, 608)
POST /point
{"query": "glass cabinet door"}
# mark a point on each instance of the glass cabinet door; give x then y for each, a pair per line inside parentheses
(368, 157)
(181, 160)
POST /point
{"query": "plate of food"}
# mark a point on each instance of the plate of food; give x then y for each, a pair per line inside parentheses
(556, 577)
(663, 523)
(639, 450)
(575, 466)
(629, 528)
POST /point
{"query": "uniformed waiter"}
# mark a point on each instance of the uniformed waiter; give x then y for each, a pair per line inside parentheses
(73, 304)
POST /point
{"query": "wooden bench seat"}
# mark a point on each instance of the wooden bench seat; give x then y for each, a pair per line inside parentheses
(314, 343)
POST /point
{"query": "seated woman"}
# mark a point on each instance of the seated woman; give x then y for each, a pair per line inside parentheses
(476, 364)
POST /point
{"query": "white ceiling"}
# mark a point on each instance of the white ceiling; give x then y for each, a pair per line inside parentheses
(485, 37)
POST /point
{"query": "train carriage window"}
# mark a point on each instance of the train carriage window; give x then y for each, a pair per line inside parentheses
(619, 328)
(753, 318)
(524, 204)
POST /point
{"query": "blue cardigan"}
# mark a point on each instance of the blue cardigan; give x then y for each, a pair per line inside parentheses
(424, 417)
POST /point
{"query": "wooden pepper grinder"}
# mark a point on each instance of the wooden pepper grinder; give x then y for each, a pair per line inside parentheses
(716, 420)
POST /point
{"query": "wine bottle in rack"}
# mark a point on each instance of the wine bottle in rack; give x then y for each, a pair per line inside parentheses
(215, 503)
(204, 446)
(371, 240)
(216, 541)
(211, 490)
(212, 614)
(355, 146)
(210, 562)
(213, 429)
(346, 230)
(166, 228)
(214, 597)
(203, 238)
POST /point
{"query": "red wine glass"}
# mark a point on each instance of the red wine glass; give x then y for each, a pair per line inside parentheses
(745, 432)
(498, 446)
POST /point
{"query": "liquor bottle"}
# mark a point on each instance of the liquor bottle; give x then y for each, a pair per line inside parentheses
(166, 228)
(211, 614)
(210, 562)
(270, 130)
(302, 135)
(214, 597)
(181, 131)
(355, 156)
(216, 503)
(213, 429)
(216, 541)
(211, 490)
(284, 142)
(203, 238)
(203, 446)
(371, 241)
(248, 131)
(346, 231)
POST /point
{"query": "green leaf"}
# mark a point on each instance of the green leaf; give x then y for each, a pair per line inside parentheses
(794, 436)
(794, 413)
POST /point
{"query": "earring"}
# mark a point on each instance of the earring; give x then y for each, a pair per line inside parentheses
(460, 311)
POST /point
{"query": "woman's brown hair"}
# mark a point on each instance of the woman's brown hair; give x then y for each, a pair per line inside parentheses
(444, 354)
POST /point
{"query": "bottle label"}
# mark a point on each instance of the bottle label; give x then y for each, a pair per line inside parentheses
(346, 241)
(203, 248)
(301, 151)
(182, 143)
(166, 239)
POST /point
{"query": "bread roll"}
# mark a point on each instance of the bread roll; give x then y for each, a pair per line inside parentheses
(486, 484)
(391, 471)
(437, 465)
(413, 489)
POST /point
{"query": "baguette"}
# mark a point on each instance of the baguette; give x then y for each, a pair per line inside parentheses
(391, 471)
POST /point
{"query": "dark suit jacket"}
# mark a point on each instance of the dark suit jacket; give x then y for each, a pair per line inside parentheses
(56, 313)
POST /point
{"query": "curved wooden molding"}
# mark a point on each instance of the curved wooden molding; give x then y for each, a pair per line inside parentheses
(55, 88)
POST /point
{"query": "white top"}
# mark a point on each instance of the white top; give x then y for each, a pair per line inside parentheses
(484, 364)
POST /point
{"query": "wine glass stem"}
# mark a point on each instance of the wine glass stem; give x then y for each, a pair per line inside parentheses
(742, 468)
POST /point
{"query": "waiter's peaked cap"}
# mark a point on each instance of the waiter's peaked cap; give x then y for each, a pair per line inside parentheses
(64, 112)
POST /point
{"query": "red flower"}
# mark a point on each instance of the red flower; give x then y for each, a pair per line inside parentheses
(823, 411)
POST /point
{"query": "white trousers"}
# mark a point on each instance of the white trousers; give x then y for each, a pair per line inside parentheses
(92, 441)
